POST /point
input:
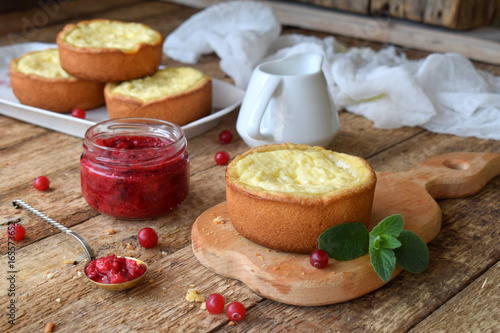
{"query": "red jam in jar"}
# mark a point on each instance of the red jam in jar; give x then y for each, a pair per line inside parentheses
(134, 168)
(112, 269)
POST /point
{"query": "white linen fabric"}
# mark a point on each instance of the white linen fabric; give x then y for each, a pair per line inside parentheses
(443, 93)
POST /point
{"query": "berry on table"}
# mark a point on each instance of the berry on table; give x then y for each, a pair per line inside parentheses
(16, 232)
(222, 157)
(236, 311)
(225, 137)
(41, 183)
(319, 258)
(78, 113)
(147, 237)
(215, 303)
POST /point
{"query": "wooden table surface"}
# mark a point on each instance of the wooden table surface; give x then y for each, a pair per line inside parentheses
(458, 292)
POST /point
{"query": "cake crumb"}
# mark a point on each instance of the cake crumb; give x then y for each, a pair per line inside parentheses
(49, 328)
(219, 220)
(193, 296)
(67, 262)
(50, 275)
(203, 306)
(231, 323)
(110, 231)
(58, 300)
(130, 247)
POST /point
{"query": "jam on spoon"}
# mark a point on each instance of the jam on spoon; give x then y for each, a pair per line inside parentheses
(120, 273)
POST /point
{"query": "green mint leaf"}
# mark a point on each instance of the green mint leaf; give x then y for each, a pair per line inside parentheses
(345, 241)
(383, 261)
(413, 254)
(375, 242)
(392, 225)
(389, 242)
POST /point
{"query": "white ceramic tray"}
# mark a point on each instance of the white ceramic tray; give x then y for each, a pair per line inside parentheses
(226, 98)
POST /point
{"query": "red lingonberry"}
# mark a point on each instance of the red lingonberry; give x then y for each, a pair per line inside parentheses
(215, 303)
(41, 183)
(78, 113)
(16, 232)
(319, 258)
(222, 157)
(147, 237)
(236, 311)
(225, 137)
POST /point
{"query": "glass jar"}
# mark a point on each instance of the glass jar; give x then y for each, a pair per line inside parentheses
(134, 168)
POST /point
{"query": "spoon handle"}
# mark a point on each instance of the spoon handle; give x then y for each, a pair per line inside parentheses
(19, 203)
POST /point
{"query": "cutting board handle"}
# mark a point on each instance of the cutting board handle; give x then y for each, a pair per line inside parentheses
(455, 175)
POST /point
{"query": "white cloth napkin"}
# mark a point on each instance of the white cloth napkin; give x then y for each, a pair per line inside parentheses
(238, 32)
(442, 93)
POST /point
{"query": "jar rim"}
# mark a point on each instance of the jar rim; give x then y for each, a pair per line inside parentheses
(173, 134)
(166, 129)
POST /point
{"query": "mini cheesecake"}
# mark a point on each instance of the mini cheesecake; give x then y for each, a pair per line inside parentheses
(284, 196)
(108, 51)
(176, 94)
(38, 80)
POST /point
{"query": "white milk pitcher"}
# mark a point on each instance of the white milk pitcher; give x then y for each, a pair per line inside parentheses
(287, 100)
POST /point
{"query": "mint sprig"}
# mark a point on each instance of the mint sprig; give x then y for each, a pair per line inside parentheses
(387, 244)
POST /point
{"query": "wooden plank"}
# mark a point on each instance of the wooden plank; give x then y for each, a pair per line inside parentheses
(48, 12)
(391, 308)
(474, 309)
(413, 9)
(460, 15)
(383, 30)
(356, 6)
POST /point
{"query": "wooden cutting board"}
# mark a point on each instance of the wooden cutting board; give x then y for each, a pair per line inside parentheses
(289, 278)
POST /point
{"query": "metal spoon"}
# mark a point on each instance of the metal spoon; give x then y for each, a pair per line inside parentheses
(18, 203)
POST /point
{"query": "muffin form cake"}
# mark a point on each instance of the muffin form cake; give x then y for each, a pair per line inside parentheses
(176, 94)
(107, 50)
(38, 80)
(284, 196)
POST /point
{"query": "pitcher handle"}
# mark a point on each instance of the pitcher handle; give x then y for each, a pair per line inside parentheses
(255, 117)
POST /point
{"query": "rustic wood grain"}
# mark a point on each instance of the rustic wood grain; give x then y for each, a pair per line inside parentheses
(359, 6)
(460, 15)
(463, 255)
(475, 307)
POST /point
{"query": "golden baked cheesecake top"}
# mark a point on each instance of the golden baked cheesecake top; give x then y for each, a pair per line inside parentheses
(165, 82)
(126, 36)
(42, 63)
(298, 170)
